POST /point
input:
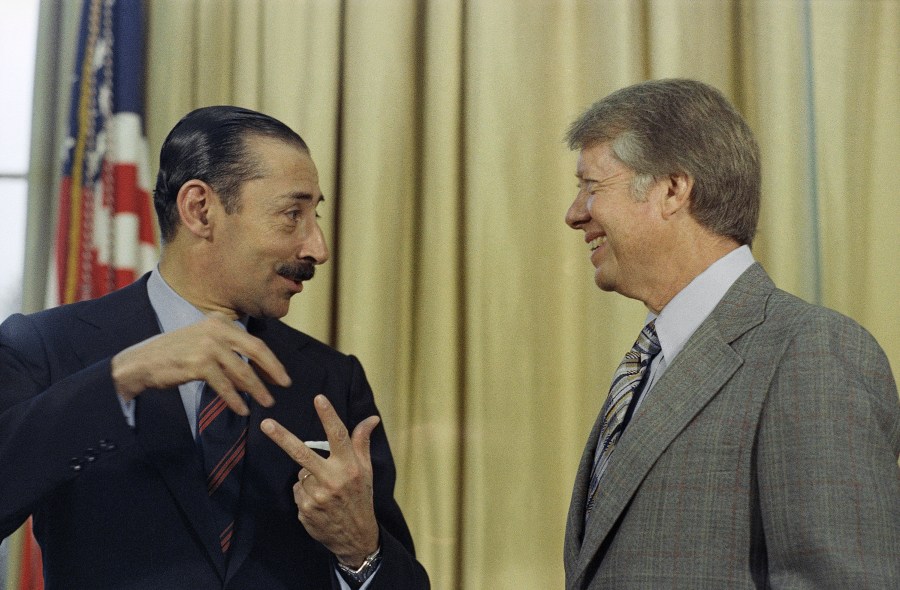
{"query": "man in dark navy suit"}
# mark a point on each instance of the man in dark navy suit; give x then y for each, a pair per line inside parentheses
(109, 408)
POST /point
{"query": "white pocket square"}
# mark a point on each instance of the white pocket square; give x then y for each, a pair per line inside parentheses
(322, 445)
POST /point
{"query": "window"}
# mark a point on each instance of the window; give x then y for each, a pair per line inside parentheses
(18, 42)
(18, 37)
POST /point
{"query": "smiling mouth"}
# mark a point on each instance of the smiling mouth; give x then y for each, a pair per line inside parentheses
(597, 242)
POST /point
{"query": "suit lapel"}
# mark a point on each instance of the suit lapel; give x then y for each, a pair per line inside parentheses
(165, 437)
(120, 319)
(696, 375)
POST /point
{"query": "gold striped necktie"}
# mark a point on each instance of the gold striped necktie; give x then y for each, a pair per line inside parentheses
(618, 407)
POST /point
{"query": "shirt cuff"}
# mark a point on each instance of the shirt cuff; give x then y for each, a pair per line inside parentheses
(366, 584)
(127, 409)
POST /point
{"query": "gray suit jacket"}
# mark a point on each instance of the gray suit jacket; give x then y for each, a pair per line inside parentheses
(765, 457)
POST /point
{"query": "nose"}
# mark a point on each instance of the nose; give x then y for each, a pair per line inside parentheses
(578, 211)
(314, 245)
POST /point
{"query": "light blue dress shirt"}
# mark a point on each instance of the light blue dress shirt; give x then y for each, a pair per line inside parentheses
(681, 317)
(172, 313)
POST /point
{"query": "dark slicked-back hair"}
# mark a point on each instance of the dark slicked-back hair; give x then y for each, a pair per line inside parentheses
(210, 144)
(671, 126)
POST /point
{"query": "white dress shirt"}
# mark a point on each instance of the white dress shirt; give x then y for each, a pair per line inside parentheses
(681, 317)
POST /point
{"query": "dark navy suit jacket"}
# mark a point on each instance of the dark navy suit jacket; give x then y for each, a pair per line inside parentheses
(116, 507)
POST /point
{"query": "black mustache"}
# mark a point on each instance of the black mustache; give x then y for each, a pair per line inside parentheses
(298, 271)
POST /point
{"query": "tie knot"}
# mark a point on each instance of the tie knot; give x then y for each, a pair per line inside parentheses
(647, 343)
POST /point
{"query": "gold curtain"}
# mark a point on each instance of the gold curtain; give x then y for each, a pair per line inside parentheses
(437, 129)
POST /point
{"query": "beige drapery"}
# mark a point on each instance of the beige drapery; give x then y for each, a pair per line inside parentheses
(437, 129)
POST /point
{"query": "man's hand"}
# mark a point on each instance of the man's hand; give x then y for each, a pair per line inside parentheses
(334, 495)
(206, 351)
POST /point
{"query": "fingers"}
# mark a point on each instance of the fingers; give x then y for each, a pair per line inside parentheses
(342, 445)
(225, 389)
(362, 437)
(335, 431)
(293, 446)
(334, 496)
(213, 350)
(299, 487)
(243, 377)
(227, 343)
(227, 373)
(254, 349)
(345, 450)
(264, 360)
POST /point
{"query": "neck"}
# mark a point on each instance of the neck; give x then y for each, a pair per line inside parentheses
(185, 274)
(688, 260)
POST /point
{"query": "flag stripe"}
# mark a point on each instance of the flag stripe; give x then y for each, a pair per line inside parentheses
(106, 236)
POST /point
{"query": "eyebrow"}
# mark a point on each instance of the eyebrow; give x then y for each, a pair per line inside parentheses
(303, 197)
(601, 181)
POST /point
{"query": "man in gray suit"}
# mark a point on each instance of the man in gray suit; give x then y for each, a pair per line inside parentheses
(750, 439)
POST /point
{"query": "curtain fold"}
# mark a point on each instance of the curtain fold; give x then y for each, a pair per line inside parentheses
(55, 59)
(437, 129)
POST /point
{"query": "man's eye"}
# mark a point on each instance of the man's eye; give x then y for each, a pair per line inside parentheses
(293, 215)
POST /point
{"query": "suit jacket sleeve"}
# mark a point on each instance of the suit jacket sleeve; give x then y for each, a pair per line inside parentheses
(48, 430)
(827, 458)
(399, 569)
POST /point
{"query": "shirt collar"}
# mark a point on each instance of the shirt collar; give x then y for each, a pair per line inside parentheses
(681, 317)
(172, 310)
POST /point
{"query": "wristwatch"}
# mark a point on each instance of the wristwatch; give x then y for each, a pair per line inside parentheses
(357, 577)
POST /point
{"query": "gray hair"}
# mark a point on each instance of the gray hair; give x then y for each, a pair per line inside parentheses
(661, 127)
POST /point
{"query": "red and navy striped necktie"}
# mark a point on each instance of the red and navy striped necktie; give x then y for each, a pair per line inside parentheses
(222, 436)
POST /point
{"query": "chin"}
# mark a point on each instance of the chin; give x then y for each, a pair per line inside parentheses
(604, 283)
(276, 314)
(271, 310)
(280, 310)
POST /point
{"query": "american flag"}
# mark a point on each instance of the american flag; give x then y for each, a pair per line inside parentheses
(105, 236)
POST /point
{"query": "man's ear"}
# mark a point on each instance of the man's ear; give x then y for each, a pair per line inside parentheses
(679, 186)
(195, 199)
